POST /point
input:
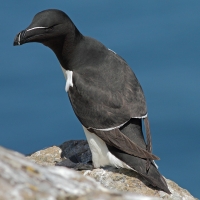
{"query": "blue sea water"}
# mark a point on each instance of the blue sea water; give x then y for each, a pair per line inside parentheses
(161, 42)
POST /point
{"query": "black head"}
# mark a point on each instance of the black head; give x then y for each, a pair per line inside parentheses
(47, 26)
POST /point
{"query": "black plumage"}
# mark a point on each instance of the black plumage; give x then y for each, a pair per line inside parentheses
(105, 93)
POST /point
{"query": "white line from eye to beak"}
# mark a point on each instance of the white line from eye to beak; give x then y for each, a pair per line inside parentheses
(35, 28)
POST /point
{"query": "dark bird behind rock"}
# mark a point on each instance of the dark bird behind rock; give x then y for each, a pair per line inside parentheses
(104, 93)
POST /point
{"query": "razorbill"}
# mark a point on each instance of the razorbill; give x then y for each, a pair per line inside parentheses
(104, 93)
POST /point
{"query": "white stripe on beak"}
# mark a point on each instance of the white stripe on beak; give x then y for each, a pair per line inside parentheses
(19, 39)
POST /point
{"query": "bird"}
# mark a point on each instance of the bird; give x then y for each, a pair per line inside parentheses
(104, 92)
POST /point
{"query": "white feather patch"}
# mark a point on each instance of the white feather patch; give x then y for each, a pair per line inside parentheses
(69, 81)
(109, 129)
(142, 117)
(155, 164)
(101, 156)
(69, 78)
(112, 51)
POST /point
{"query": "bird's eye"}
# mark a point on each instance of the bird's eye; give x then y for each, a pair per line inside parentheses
(50, 28)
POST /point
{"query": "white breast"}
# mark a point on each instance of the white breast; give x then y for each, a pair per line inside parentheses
(101, 156)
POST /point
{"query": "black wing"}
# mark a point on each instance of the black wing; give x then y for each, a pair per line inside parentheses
(117, 139)
(106, 95)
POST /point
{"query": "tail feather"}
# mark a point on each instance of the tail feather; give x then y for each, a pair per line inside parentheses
(148, 134)
(149, 142)
(133, 130)
(119, 140)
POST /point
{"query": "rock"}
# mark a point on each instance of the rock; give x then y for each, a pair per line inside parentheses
(78, 155)
(126, 180)
(47, 157)
(77, 151)
(22, 179)
(113, 179)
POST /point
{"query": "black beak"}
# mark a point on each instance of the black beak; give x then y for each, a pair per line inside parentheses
(20, 38)
(31, 34)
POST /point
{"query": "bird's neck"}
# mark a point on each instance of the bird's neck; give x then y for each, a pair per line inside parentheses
(64, 47)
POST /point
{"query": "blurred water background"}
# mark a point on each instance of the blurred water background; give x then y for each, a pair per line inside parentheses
(161, 42)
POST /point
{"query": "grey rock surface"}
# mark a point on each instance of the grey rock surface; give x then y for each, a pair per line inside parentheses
(120, 180)
(22, 179)
(34, 177)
